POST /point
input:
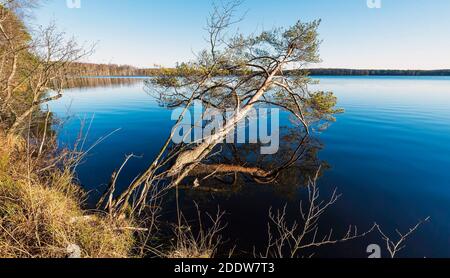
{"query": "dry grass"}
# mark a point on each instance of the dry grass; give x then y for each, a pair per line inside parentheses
(41, 214)
(189, 246)
(202, 244)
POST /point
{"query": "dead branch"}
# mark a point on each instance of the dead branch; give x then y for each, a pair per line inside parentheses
(289, 240)
(394, 247)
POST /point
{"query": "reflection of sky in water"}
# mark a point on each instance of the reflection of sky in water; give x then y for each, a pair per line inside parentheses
(389, 153)
(390, 91)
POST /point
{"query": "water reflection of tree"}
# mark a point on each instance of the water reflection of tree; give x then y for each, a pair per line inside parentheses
(284, 172)
(93, 82)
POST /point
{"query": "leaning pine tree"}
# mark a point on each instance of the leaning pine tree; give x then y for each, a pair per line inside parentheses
(237, 72)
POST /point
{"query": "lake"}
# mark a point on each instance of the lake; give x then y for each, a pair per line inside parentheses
(388, 155)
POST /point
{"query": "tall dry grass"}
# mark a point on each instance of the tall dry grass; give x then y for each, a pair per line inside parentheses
(41, 214)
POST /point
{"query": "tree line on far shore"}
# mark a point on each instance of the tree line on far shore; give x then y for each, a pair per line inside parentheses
(91, 69)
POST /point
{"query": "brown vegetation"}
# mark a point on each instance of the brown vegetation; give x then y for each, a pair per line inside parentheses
(41, 214)
(41, 207)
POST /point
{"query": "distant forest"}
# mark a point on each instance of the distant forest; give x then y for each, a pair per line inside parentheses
(88, 69)
(354, 72)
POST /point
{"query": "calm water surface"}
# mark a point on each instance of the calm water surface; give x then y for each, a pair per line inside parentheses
(389, 155)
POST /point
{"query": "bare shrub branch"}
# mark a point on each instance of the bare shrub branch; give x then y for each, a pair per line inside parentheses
(394, 247)
(290, 240)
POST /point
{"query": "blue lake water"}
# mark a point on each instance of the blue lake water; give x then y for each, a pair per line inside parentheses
(389, 157)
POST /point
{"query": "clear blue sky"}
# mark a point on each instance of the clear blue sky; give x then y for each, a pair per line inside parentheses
(403, 34)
